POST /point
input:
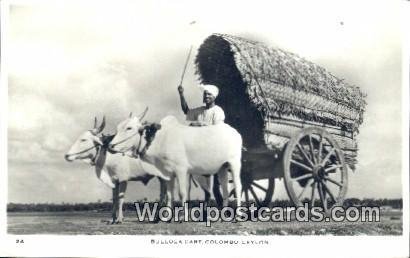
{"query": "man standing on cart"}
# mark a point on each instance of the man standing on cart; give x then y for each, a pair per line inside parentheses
(210, 114)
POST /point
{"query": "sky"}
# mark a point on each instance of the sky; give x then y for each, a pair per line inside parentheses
(70, 62)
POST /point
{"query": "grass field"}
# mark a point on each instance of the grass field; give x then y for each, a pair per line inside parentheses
(97, 223)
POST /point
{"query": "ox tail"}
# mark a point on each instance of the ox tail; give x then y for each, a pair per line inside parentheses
(194, 181)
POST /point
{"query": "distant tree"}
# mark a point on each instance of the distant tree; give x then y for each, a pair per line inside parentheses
(129, 206)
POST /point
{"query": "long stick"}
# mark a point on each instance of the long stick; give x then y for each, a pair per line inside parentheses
(186, 64)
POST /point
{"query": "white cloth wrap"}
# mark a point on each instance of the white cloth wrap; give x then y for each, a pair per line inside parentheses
(212, 89)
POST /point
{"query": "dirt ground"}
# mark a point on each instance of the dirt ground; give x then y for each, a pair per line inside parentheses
(97, 223)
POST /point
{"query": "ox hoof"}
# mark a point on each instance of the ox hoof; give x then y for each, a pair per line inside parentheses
(116, 221)
(156, 220)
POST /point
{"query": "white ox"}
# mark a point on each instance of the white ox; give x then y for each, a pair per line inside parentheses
(178, 150)
(114, 169)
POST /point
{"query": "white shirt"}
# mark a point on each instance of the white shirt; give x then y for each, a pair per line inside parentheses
(209, 116)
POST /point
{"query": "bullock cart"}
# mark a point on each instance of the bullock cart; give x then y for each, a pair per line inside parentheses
(299, 123)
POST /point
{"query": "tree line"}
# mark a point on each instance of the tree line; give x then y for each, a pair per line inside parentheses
(129, 206)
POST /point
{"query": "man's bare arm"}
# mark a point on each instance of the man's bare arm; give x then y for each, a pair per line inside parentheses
(184, 105)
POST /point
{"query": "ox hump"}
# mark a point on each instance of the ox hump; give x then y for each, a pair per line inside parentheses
(169, 120)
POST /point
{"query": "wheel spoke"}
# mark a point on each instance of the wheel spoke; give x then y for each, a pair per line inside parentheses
(327, 170)
(321, 195)
(301, 165)
(302, 177)
(333, 181)
(259, 186)
(305, 155)
(309, 183)
(329, 192)
(313, 159)
(311, 149)
(319, 156)
(254, 196)
(312, 196)
(331, 172)
(327, 157)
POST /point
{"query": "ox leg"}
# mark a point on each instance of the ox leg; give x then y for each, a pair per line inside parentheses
(183, 177)
(189, 187)
(121, 196)
(207, 197)
(162, 192)
(207, 188)
(205, 184)
(182, 181)
(115, 202)
(223, 180)
(235, 168)
(216, 190)
(170, 191)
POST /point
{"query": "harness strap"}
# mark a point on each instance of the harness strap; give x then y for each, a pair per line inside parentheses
(93, 160)
(134, 150)
(71, 154)
(145, 148)
(126, 139)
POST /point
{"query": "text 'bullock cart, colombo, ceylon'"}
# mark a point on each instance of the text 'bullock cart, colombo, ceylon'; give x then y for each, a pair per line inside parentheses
(298, 121)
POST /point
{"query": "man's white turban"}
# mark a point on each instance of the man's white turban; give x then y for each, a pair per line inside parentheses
(212, 89)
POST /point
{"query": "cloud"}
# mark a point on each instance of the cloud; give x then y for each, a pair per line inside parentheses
(35, 183)
(37, 129)
(23, 152)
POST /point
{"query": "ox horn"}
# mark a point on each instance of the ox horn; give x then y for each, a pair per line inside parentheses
(141, 116)
(130, 115)
(94, 130)
(99, 130)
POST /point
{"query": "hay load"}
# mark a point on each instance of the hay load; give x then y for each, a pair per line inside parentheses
(259, 84)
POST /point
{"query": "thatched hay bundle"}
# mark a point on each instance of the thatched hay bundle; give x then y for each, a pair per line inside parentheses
(276, 83)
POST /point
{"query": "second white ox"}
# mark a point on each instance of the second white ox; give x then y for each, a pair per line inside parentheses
(179, 150)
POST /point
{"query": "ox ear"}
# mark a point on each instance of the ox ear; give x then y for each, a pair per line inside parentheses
(99, 129)
(141, 116)
(94, 130)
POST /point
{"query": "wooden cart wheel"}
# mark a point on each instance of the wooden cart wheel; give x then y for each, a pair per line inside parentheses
(258, 191)
(314, 166)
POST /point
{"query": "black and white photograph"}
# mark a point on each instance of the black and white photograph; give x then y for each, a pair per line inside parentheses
(198, 125)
